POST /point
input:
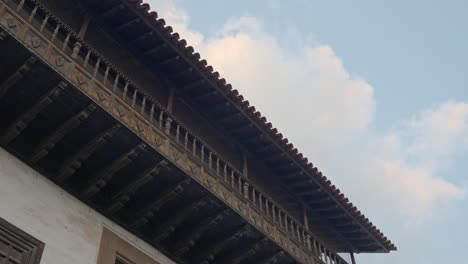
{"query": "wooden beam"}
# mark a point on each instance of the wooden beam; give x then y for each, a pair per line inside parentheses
(273, 258)
(205, 95)
(17, 75)
(84, 26)
(168, 59)
(48, 143)
(178, 74)
(155, 48)
(142, 37)
(100, 179)
(209, 253)
(187, 242)
(192, 84)
(147, 213)
(30, 114)
(245, 251)
(120, 199)
(169, 225)
(111, 11)
(72, 164)
(127, 24)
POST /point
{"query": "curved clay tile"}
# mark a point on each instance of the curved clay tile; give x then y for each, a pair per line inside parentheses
(183, 44)
(175, 36)
(145, 7)
(161, 22)
(153, 15)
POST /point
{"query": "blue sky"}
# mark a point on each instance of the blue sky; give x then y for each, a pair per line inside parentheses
(373, 92)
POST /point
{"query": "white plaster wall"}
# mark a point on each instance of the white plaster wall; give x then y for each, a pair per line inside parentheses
(70, 229)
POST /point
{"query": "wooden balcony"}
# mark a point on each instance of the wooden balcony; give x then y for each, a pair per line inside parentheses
(201, 188)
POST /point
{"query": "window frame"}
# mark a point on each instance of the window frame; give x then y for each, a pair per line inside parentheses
(113, 248)
(14, 235)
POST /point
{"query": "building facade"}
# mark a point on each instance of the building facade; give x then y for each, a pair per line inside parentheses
(121, 145)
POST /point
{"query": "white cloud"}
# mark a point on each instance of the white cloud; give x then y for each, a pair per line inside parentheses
(328, 114)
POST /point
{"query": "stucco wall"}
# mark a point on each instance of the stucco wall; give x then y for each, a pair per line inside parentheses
(70, 229)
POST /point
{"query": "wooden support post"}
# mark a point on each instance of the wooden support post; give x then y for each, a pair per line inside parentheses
(245, 170)
(170, 100)
(353, 261)
(84, 26)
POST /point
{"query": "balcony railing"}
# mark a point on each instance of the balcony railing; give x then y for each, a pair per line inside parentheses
(60, 35)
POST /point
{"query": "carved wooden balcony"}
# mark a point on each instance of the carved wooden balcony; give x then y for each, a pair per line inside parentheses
(158, 140)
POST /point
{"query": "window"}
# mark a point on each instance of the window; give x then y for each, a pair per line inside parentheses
(17, 247)
(116, 250)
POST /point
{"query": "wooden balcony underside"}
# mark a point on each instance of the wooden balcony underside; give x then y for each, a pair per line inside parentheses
(100, 141)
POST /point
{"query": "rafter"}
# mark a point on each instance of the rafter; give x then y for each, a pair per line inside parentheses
(127, 24)
(43, 148)
(17, 75)
(192, 84)
(184, 244)
(180, 73)
(214, 248)
(103, 176)
(169, 225)
(168, 59)
(155, 48)
(205, 95)
(142, 37)
(30, 114)
(246, 250)
(111, 11)
(273, 258)
(121, 198)
(72, 164)
(147, 213)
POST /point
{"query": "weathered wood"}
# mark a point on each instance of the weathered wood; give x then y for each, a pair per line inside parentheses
(17, 75)
(102, 177)
(120, 199)
(245, 251)
(127, 24)
(273, 258)
(209, 254)
(155, 48)
(48, 143)
(30, 114)
(111, 11)
(187, 242)
(203, 96)
(145, 214)
(169, 225)
(71, 165)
